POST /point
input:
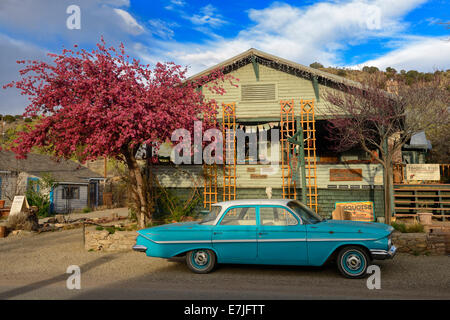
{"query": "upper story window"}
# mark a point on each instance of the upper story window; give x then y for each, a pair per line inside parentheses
(258, 92)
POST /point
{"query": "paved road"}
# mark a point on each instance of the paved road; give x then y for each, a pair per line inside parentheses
(33, 267)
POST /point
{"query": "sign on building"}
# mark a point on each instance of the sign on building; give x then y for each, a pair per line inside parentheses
(345, 174)
(428, 172)
(357, 211)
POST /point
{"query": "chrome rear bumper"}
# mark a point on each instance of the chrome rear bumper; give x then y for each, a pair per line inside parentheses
(139, 248)
(383, 254)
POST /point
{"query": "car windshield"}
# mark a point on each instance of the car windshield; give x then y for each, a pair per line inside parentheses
(211, 216)
(304, 212)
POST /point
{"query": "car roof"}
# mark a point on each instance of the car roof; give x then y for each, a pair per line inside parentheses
(253, 202)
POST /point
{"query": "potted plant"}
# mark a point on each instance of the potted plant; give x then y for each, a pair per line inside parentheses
(425, 215)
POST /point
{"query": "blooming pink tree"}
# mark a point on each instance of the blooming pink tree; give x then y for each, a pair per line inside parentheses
(102, 103)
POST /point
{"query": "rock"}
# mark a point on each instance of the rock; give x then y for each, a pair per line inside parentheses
(60, 218)
(51, 220)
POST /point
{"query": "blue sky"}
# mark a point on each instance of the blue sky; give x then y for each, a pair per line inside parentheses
(404, 34)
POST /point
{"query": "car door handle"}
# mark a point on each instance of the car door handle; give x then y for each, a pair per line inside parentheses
(217, 232)
(262, 233)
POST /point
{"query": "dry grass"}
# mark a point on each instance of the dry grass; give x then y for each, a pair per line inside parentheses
(23, 221)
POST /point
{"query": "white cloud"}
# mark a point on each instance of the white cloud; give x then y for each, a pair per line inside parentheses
(131, 24)
(162, 28)
(44, 22)
(426, 54)
(11, 102)
(320, 32)
(175, 3)
(208, 16)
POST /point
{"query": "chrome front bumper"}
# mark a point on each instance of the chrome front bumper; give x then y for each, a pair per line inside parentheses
(139, 248)
(383, 254)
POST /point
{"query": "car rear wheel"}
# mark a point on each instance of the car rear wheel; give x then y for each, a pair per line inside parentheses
(201, 260)
(353, 262)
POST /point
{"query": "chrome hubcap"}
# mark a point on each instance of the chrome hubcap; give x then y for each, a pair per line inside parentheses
(201, 258)
(353, 262)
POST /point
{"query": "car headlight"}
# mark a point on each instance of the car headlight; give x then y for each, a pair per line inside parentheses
(389, 241)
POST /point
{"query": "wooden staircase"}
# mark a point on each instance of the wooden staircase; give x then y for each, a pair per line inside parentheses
(410, 199)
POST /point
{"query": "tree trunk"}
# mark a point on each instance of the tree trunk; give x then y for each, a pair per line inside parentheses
(387, 193)
(138, 183)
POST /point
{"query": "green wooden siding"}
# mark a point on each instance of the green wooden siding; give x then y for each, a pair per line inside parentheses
(287, 87)
(253, 176)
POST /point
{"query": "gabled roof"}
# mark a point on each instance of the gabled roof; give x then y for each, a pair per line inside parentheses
(278, 63)
(40, 164)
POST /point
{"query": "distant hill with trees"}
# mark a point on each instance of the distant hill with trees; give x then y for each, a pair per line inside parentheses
(408, 77)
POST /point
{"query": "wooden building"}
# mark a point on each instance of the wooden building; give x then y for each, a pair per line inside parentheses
(272, 92)
(76, 187)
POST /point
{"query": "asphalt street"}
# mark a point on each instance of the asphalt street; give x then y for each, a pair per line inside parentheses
(34, 267)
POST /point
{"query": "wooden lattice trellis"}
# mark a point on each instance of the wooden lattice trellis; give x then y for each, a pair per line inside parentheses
(309, 131)
(229, 150)
(287, 125)
(210, 185)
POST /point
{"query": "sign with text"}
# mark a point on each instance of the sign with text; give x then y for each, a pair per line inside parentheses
(424, 171)
(357, 211)
(18, 205)
(345, 174)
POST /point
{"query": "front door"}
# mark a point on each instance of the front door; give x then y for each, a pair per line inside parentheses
(234, 236)
(281, 237)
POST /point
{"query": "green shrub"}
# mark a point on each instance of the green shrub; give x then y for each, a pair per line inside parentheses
(316, 65)
(111, 230)
(86, 210)
(410, 228)
(173, 208)
(36, 195)
(99, 228)
(399, 226)
(9, 118)
(132, 214)
(416, 227)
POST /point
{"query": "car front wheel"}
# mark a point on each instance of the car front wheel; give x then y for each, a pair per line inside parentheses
(201, 260)
(353, 262)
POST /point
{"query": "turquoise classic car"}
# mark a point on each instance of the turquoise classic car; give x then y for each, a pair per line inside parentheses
(277, 232)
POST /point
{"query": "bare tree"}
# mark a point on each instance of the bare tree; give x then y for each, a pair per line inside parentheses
(368, 116)
(13, 184)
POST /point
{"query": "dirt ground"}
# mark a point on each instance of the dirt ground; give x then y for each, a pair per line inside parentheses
(34, 266)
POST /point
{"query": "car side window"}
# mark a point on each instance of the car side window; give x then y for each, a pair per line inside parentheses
(275, 216)
(243, 216)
